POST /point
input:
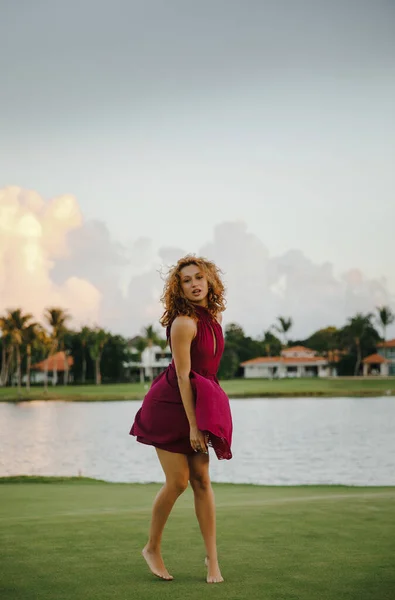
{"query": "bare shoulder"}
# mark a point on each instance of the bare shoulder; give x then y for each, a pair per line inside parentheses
(183, 327)
(219, 317)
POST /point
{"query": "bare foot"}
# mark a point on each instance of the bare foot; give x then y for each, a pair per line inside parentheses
(155, 563)
(213, 572)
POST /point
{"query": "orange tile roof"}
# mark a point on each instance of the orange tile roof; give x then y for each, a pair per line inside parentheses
(387, 344)
(374, 359)
(298, 349)
(56, 361)
(283, 360)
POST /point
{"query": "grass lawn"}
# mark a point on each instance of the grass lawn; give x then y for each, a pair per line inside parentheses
(81, 540)
(235, 388)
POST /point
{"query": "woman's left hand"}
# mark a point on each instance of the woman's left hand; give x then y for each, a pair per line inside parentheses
(198, 440)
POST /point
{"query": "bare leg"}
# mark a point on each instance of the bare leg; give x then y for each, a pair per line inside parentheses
(205, 512)
(176, 469)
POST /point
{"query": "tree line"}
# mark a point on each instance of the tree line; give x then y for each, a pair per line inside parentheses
(98, 355)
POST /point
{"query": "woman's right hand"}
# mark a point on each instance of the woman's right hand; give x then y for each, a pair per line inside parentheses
(198, 440)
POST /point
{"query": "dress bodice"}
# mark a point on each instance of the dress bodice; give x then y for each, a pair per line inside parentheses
(207, 346)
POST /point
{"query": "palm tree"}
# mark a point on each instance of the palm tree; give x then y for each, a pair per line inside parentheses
(17, 323)
(30, 340)
(45, 343)
(385, 318)
(285, 324)
(56, 318)
(84, 336)
(65, 343)
(355, 329)
(6, 349)
(97, 340)
(151, 336)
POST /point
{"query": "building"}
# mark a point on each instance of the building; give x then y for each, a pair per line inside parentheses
(53, 365)
(153, 361)
(293, 362)
(382, 362)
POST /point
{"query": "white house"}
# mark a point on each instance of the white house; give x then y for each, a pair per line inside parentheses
(153, 361)
(293, 362)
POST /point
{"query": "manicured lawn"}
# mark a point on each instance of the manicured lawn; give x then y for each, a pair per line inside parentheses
(81, 540)
(236, 388)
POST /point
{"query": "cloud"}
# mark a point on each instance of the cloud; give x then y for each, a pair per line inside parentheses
(50, 256)
(261, 287)
(33, 236)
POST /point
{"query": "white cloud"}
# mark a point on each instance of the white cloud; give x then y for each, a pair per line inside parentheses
(50, 256)
(261, 287)
(33, 235)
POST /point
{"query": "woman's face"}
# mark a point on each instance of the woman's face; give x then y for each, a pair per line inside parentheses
(194, 284)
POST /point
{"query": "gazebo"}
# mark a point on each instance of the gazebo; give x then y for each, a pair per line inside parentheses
(375, 364)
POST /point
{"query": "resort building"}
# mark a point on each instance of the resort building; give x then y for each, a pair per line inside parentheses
(382, 362)
(152, 362)
(297, 361)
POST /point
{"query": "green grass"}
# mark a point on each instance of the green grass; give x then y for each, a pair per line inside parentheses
(82, 540)
(235, 388)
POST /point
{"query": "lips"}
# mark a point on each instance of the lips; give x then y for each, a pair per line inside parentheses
(196, 292)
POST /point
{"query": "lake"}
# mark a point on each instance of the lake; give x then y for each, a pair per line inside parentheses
(280, 441)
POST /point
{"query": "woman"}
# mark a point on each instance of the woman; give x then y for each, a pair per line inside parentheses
(186, 410)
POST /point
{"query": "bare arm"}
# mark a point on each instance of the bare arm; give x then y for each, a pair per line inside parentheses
(183, 330)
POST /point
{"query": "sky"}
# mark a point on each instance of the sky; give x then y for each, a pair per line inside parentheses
(260, 134)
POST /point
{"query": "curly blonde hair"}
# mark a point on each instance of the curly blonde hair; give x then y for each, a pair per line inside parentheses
(173, 298)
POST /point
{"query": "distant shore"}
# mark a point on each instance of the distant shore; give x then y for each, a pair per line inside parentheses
(235, 388)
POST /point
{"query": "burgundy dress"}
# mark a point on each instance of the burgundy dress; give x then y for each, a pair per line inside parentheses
(162, 421)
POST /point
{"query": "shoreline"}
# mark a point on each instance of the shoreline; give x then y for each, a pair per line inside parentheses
(236, 396)
(356, 387)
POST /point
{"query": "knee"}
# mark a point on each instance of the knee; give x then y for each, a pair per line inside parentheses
(200, 482)
(178, 484)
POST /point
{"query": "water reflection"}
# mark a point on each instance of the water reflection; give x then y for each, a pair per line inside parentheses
(276, 441)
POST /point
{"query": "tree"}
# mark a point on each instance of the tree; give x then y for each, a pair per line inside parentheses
(6, 349)
(151, 336)
(234, 333)
(271, 344)
(239, 347)
(56, 318)
(385, 318)
(114, 357)
(97, 340)
(16, 324)
(44, 344)
(229, 363)
(65, 346)
(359, 335)
(324, 341)
(84, 335)
(30, 340)
(285, 324)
